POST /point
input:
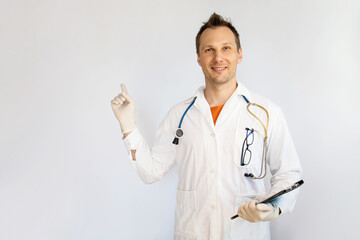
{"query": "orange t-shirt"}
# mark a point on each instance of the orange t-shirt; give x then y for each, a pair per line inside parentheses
(215, 111)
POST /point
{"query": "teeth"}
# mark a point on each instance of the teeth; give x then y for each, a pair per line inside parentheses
(218, 69)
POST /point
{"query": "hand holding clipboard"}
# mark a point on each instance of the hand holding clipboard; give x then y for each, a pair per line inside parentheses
(289, 189)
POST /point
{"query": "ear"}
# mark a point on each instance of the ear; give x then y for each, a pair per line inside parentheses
(198, 58)
(240, 55)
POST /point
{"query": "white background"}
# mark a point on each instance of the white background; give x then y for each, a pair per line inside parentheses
(64, 172)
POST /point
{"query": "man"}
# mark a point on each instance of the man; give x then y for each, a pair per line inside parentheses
(222, 145)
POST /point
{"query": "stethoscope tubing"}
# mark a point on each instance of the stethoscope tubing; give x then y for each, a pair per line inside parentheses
(182, 118)
(179, 134)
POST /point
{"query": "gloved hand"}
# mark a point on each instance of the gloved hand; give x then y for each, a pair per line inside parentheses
(124, 109)
(253, 211)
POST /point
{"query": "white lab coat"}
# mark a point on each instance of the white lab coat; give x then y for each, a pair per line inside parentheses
(211, 183)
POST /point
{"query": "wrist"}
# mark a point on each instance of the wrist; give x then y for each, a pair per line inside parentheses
(126, 134)
(127, 128)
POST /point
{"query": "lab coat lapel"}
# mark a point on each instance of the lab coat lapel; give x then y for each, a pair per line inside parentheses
(203, 106)
(234, 102)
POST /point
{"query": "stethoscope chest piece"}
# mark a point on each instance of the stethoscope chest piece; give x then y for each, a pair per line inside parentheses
(179, 133)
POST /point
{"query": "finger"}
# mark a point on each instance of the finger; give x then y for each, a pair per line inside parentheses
(114, 102)
(244, 210)
(126, 96)
(264, 207)
(247, 207)
(123, 88)
(121, 97)
(251, 211)
(118, 100)
(244, 215)
(241, 208)
(242, 205)
(252, 204)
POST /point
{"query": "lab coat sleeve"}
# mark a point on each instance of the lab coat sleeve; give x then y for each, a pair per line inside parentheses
(152, 163)
(283, 161)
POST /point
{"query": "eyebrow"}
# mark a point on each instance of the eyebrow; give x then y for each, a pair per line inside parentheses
(225, 43)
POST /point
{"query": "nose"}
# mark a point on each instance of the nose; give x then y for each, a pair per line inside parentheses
(218, 57)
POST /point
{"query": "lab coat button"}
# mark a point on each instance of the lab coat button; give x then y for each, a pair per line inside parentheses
(212, 134)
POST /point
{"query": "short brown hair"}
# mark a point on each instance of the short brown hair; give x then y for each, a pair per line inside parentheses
(214, 21)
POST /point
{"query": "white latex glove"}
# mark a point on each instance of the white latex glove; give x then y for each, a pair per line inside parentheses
(124, 110)
(253, 211)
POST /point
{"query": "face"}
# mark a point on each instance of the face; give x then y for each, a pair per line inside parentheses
(218, 55)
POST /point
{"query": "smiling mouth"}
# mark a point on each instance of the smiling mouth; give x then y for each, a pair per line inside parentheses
(219, 69)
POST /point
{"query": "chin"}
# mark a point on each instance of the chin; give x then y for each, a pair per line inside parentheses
(221, 81)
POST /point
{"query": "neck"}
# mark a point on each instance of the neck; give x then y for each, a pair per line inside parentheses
(217, 95)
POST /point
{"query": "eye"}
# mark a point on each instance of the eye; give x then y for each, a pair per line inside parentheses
(227, 48)
(208, 50)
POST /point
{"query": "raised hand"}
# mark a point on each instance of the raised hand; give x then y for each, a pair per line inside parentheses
(124, 109)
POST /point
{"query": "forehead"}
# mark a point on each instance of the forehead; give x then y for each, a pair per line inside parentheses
(216, 36)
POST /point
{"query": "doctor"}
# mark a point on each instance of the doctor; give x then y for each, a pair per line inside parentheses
(222, 150)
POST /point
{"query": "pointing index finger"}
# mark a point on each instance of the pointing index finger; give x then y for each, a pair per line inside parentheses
(123, 88)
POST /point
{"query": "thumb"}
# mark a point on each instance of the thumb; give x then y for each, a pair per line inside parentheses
(127, 97)
(264, 207)
(123, 88)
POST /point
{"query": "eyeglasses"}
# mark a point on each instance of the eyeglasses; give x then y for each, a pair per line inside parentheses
(246, 152)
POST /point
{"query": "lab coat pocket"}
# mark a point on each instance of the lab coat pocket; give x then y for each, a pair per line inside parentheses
(185, 221)
(244, 230)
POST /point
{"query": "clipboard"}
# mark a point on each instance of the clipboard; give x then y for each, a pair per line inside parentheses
(269, 199)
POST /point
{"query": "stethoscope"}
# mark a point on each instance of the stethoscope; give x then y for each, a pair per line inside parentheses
(263, 158)
(180, 133)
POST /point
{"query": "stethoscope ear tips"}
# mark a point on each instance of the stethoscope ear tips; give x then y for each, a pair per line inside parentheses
(249, 175)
